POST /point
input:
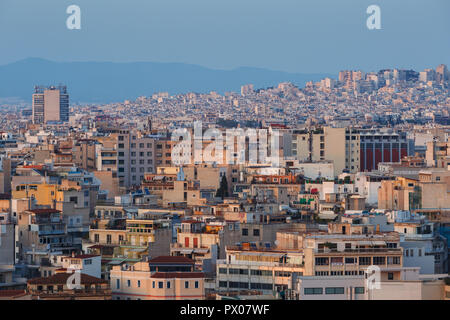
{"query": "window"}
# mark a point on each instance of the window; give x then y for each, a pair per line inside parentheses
(322, 261)
(222, 284)
(255, 272)
(222, 270)
(129, 283)
(379, 261)
(139, 283)
(117, 283)
(350, 260)
(310, 291)
(256, 232)
(74, 199)
(263, 286)
(160, 285)
(359, 290)
(153, 284)
(96, 238)
(196, 284)
(108, 239)
(233, 271)
(336, 290)
(364, 261)
(390, 276)
(186, 284)
(245, 232)
(168, 284)
(337, 261)
(283, 274)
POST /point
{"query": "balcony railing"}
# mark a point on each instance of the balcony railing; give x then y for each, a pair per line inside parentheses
(358, 250)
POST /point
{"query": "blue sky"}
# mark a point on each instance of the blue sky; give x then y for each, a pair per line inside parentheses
(307, 36)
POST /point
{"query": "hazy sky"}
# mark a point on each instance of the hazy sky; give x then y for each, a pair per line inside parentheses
(288, 35)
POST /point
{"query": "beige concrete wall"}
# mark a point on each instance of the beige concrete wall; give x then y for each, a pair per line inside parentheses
(103, 233)
(144, 287)
(108, 183)
(51, 105)
(335, 148)
(435, 195)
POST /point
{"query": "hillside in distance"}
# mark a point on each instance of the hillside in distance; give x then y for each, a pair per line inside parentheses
(104, 82)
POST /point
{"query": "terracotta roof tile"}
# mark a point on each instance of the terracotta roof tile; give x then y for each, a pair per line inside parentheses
(12, 293)
(61, 278)
(39, 211)
(171, 260)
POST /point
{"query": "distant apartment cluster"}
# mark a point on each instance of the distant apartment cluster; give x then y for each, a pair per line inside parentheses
(357, 207)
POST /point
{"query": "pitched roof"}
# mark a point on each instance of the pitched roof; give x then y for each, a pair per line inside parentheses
(61, 278)
(171, 260)
(39, 211)
(12, 293)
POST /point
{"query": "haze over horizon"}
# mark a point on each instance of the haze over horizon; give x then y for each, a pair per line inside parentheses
(310, 36)
(102, 82)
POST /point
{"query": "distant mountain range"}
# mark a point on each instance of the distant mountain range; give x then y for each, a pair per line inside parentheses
(103, 82)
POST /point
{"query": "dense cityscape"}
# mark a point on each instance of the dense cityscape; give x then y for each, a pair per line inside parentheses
(351, 181)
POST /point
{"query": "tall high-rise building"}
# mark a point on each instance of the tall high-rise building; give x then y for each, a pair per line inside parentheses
(383, 146)
(351, 149)
(442, 73)
(50, 104)
(340, 145)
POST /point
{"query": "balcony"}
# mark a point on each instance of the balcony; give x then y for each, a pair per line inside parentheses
(51, 232)
(418, 236)
(359, 250)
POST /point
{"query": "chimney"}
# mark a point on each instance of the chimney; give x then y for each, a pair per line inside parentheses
(73, 254)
